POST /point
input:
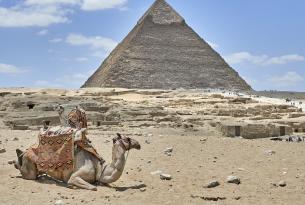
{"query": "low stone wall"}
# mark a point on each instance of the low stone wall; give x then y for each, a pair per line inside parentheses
(254, 131)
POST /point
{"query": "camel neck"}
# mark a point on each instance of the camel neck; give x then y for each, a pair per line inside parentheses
(113, 171)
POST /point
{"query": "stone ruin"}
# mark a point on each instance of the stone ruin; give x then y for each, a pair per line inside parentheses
(189, 110)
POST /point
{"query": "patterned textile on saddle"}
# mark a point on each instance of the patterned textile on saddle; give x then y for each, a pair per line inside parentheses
(77, 118)
(54, 154)
(85, 145)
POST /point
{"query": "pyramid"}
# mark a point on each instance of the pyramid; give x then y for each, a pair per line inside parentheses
(163, 52)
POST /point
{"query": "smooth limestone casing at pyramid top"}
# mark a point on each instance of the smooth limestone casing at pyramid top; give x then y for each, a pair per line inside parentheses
(163, 52)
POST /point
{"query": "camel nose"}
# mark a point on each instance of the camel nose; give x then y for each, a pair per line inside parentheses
(138, 147)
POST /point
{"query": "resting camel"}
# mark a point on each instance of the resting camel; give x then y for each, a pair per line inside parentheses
(88, 168)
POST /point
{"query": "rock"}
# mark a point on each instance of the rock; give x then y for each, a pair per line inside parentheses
(143, 189)
(282, 184)
(10, 162)
(212, 184)
(203, 139)
(19, 127)
(165, 177)
(233, 180)
(147, 141)
(270, 152)
(2, 151)
(209, 198)
(59, 202)
(15, 139)
(168, 151)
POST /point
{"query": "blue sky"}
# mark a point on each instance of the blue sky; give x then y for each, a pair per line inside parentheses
(59, 43)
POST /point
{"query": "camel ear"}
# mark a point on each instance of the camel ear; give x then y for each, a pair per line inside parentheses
(119, 135)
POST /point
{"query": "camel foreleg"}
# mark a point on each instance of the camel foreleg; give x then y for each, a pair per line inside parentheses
(77, 181)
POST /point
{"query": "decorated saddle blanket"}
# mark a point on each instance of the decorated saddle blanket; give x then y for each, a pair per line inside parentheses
(54, 154)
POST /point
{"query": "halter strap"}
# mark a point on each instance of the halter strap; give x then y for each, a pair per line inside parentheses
(124, 147)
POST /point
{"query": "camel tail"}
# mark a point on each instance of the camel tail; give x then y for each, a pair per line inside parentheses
(19, 156)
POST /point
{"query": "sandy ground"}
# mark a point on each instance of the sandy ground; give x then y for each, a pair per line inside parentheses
(194, 162)
(192, 165)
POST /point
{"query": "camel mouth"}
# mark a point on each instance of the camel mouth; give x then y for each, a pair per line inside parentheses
(137, 147)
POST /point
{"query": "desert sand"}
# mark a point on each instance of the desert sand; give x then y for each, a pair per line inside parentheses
(201, 154)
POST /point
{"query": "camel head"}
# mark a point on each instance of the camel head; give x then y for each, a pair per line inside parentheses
(126, 142)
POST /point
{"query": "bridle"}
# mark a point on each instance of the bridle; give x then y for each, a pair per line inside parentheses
(123, 145)
(125, 148)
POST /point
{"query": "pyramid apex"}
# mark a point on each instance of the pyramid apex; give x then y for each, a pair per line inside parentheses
(162, 13)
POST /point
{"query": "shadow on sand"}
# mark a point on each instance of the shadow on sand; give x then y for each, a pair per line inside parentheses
(121, 189)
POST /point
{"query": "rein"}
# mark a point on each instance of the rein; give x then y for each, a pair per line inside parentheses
(125, 148)
(126, 157)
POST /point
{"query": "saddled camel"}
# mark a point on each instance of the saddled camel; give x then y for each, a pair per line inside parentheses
(88, 169)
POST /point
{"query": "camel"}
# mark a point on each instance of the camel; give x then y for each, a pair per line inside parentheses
(88, 169)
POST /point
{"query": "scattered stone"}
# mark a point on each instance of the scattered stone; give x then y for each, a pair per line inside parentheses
(270, 152)
(148, 162)
(147, 141)
(15, 139)
(59, 202)
(212, 184)
(203, 139)
(10, 162)
(2, 151)
(168, 151)
(233, 180)
(237, 197)
(143, 189)
(165, 177)
(282, 184)
(212, 198)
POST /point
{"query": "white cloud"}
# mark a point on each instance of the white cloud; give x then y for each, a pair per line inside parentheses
(42, 13)
(51, 2)
(42, 32)
(213, 45)
(31, 16)
(285, 59)
(95, 42)
(55, 40)
(10, 69)
(286, 80)
(242, 57)
(87, 5)
(262, 60)
(102, 4)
